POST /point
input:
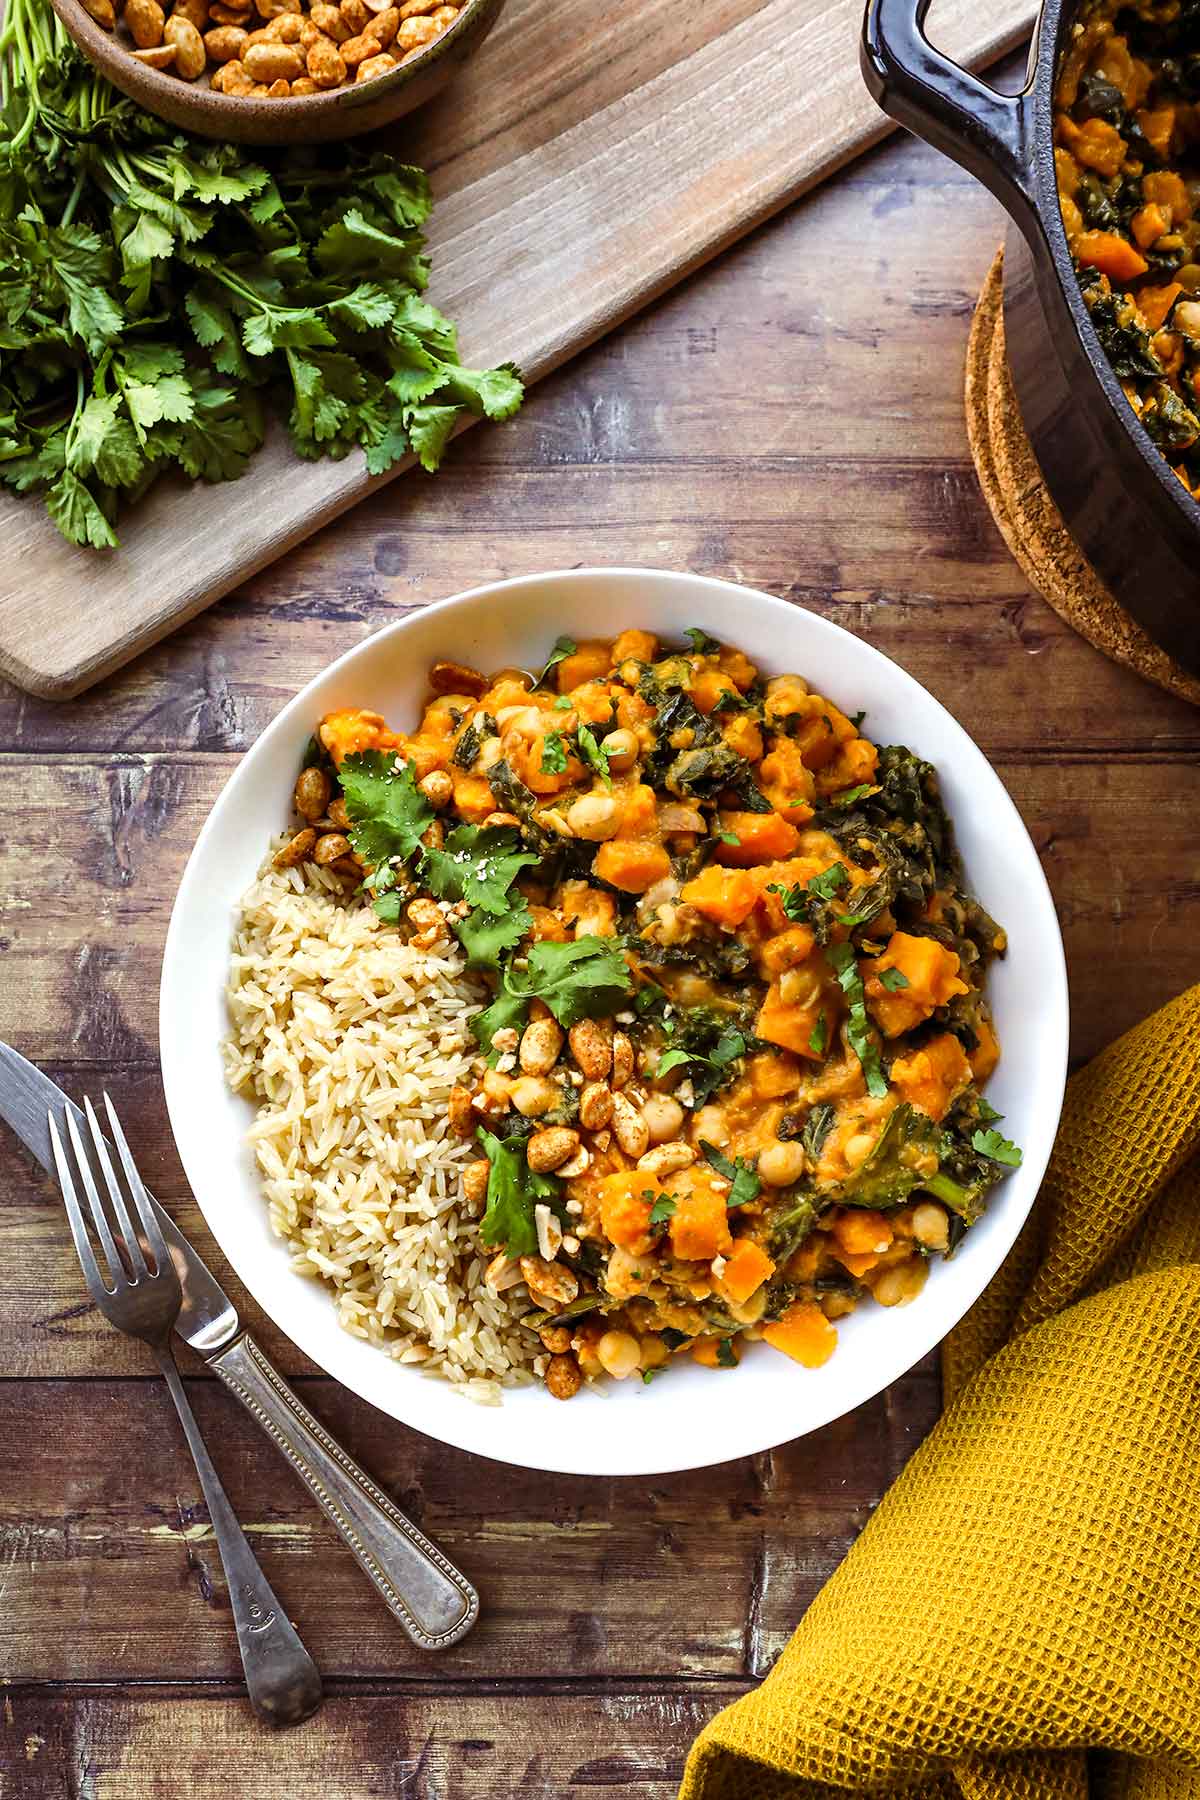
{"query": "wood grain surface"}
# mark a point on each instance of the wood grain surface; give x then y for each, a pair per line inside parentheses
(590, 156)
(791, 417)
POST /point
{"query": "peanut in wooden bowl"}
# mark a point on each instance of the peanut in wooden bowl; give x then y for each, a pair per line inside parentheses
(195, 107)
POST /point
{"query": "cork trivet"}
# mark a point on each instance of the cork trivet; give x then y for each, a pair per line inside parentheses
(1029, 521)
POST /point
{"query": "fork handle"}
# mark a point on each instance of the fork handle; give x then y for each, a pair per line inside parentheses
(281, 1678)
(432, 1600)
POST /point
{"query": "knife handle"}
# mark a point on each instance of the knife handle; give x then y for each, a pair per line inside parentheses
(434, 1603)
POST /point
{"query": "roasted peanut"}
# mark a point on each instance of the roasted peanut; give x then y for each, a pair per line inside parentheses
(629, 1127)
(563, 1378)
(285, 29)
(540, 1046)
(475, 1181)
(230, 78)
(553, 1283)
(595, 1106)
(356, 15)
(272, 62)
(428, 922)
(102, 12)
(312, 790)
(383, 26)
(459, 1113)
(410, 56)
(331, 847)
(502, 1272)
(372, 66)
(225, 44)
(271, 9)
(591, 1044)
(190, 59)
(229, 15)
(414, 34)
(412, 9)
(195, 11)
(328, 19)
(556, 1339)
(664, 1159)
(299, 848)
(546, 1150)
(622, 1060)
(345, 865)
(145, 20)
(161, 57)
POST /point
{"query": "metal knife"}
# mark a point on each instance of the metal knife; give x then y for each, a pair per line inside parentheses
(434, 1603)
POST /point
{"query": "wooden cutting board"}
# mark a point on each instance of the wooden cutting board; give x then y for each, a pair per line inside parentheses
(591, 155)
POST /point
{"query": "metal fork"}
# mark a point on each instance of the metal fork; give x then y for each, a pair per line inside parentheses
(281, 1678)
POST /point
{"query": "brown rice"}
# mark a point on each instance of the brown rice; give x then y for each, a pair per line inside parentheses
(349, 1041)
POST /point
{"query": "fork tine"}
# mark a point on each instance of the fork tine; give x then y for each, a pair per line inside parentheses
(99, 1216)
(83, 1247)
(141, 1198)
(133, 1248)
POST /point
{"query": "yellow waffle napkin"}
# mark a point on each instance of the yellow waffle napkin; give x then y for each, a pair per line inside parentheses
(1021, 1618)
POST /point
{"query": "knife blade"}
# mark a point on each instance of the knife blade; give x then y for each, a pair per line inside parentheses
(207, 1318)
(420, 1586)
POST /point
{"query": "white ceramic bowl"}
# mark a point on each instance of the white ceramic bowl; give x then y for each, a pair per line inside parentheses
(696, 1416)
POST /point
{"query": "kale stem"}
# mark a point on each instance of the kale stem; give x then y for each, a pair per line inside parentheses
(949, 1192)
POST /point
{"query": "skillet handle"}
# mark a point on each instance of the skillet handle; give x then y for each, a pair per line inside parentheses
(989, 133)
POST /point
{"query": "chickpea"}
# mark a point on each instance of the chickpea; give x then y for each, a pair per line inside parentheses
(621, 748)
(799, 987)
(896, 1287)
(619, 1354)
(709, 1124)
(532, 1095)
(563, 1377)
(782, 1163)
(654, 1352)
(858, 1148)
(437, 786)
(931, 1225)
(594, 817)
(663, 1116)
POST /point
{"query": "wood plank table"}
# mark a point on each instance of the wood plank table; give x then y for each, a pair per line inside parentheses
(791, 418)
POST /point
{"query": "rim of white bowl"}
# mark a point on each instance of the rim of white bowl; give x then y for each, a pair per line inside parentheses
(459, 1424)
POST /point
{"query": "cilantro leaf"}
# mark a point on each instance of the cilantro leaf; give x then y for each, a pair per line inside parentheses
(987, 1111)
(729, 1047)
(388, 812)
(745, 1185)
(585, 979)
(563, 647)
(506, 1009)
(429, 429)
(663, 1209)
(996, 1148)
(894, 980)
(726, 1354)
(593, 754)
(842, 959)
(485, 937)
(554, 753)
(818, 1037)
(77, 513)
(829, 882)
(477, 864)
(513, 1191)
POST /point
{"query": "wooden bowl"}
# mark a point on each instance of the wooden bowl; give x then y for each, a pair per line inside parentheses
(195, 107)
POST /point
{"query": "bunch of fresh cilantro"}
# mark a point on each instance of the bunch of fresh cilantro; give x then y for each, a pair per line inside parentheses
(160, 296)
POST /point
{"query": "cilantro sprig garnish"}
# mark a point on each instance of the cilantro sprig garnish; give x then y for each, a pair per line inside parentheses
(744, 1183)
(710, 1071)
(389, 813)
(584, 979)
(156, 291)
(593, 754)
(513, 1191)
(842, 960)
(997, 1148)
(554, 754)
(563, 647)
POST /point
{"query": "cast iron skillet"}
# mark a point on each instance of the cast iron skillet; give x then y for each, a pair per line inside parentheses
(1129, 514)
